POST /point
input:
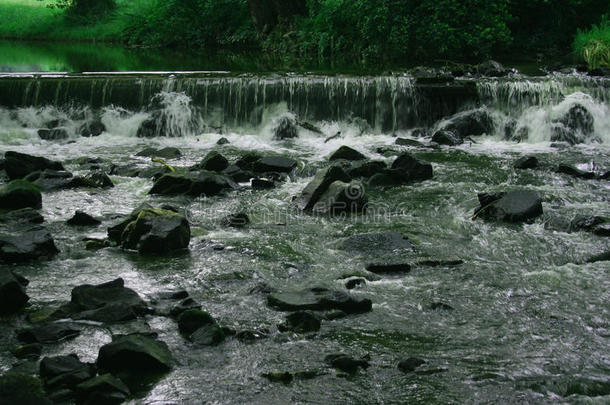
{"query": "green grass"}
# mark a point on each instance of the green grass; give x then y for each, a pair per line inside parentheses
(593, 45)
(32, 19)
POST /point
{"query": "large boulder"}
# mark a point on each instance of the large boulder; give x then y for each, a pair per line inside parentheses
(446, 137)
(408, 169)
(65, 371)
(12, 292)
(575, 127)
(31, 244)
(18, 165)
(512, 206)
(105, 389)
(164, 153)
(202, 183)
(346, 153)
(318, 299)
(20, 194)
(312, 193)
(468, 123)
(280, 164)
(285, 127)
(366, 169)
(54, 134)
(341, 197)
(92, 128)
(22, 389)
(134, 353)
(152, 231)
(213, 162)
(192, 319)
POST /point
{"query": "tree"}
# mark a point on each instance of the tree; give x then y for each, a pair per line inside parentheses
(266, 14)
(86, 7)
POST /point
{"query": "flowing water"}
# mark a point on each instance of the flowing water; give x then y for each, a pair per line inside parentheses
(530, 322)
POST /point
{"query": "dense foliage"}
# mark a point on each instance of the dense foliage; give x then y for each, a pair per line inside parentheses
(593, 45)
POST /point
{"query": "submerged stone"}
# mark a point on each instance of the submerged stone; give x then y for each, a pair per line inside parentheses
(526, 162)
(301, 322)
(346, 363)
(238, 220)
(410, 364)
(318, 299)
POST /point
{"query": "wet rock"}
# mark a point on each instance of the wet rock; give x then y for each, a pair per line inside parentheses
(81, 218)
(104, 389)
(20, 194)
(366, 169)
(91, 128)
(317, 187)
(278, 164)
(155, 125)
(247, 161)
(22, 389)
(22, 216)
(213, 162)
(93, 244)
(410, 142)
(31, 244)
(340, 198)
(191, 320)
(18, 165)
(345, 363)
(152, 231)
(222, 141)
(262, 184)
(561, 133)
(602, 257)
(48, 180)
(134, 353)
(238, 220)
(446, 137)
(238, 175)
(251, 335)
(208, 335)
(12, 292)
(55, 134)
(526, 162)
(318, 299)
(27, 351)
(491, 68)
(436, 262)
(470, 123)
(285, 128)
(184, 305)
(92, 180)
(579, 120)
(586, 223)
(65, 371)
(575, 172)
(202, 183)
(279, 376)
(410, 364)
(109, 296)
(513, 206)
(388, 268)
(440, 306)
(164, 153)
(408, 169)
(49, 333)
(301, 322)
(262, 288)
(346, 153)
(110, 313)
(373, 244)
(354, 282)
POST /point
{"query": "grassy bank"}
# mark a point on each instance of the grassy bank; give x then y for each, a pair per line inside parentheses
(593, 45)
(34, 20)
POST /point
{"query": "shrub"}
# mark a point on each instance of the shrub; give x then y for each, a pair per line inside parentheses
(593, 45)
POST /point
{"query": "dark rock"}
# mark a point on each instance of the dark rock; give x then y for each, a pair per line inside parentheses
(279, 376)
(102, 390)
(22, 216)
(93, 300)
(279, 164)
(366, 169)
(92, 180)
(208, 335)
(345, 363)
(213, 162)
(251, 336)
(48, 333)
(526, 162)
(384, 179)
(184, 305)
(408, 169)
(429, 262)
(285, 128)
(54, 134)
(354, 282)
(22, 389)
(49, 180)
(133, 353)
(441, 306)
(317, 187)
(579, 120)
(191, 320)
(446, 137)
(31, 244)
(238, 220)
(470, 123)
(65, 371)
(602, 229)
(109, 313)
(301, 322)
(347, 153)
(385, 268)
(92, 128)
(20, 194)
(342, 198)
(408, 142)
(28, 351)
(247, 161)
(155, 125)
(513, 206)
(262, 288)
(575, 172)
(12, 293)
(602, 257)
(262, 184)
(83, 219)
(223, 141)
(238, 175)
(164, 153)
(491, 68)
(410, 364)
(203, 183)
(377, 244)
(172, 295)
(96, 244)
(318, 299)
(152, 231)
(561, 133)
(18, 165)
(586, 223)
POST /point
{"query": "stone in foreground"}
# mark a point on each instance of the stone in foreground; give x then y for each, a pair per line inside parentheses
(134, 353)
(12, 293)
